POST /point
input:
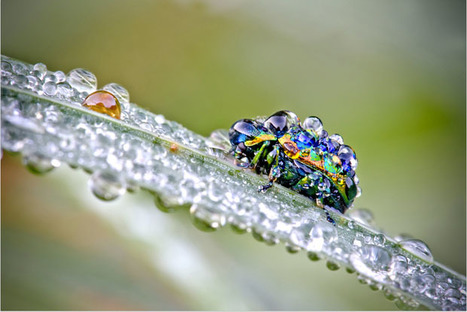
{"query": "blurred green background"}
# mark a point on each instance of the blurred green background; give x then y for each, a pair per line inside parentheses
(389, 76)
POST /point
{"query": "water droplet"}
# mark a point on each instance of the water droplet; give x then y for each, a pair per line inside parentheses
(39, 164)
(313, 123)
(118, 91)
(336, 137)
(103, 102)
(418, 248)
(402, 237)
(6, 66)
(20, 69)
(363, 216)
(206, 220)
(167, 203)
(21, 81)
(238, 226)
(332, 266)
(216, 191)
(60, 76)
(106, 185)
(389, 294)
(399, 267)
(372, 261)
(219, 140)
(375, 286)
(313, 256)
(321, 234)
(406, 304)
(379, 239)
(64, 90)
(50, 88)
(82, 80)
(40, 70)
(291, 248)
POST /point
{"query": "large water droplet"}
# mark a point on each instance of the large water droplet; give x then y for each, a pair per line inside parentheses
(82, 80)
(103, 102)
(418, 248)
(372, 261)
(107, 185)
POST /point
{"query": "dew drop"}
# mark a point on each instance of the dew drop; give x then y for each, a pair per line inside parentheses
(332, 266)
(321, 235)
(118, 91)
(60, 76)
(418, 248)
(372, 261)
(406, 304)
(21, 81)
(82, 80)
(238, 227)
(40, 70)
(167, 203)
(363, 216)
(291, 248)
(50, 88)
(39, 164)
(389, 294)
(103, 102)
(64, 90)
(336, 137)
(313, 123)
(6, 66)
(206, 220)
(379, 239)
(106, 185)
(313, 256)
(375, 286)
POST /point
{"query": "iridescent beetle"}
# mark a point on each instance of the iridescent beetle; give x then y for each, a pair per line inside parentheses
(299, 156)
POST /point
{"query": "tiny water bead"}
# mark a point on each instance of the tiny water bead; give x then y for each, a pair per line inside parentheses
(106, 185)
(418, 248)
(103, 102)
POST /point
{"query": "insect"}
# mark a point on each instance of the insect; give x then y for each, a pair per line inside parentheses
(298, 155)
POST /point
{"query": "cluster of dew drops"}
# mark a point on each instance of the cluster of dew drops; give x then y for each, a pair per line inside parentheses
(376, 265)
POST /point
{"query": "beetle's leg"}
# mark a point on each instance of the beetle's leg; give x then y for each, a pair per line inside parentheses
(274, 172)
(320, 204)
(259, 155)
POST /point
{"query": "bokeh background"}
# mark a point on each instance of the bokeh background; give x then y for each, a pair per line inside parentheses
(389, 76)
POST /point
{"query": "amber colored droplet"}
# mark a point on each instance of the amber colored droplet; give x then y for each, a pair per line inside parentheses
(103, 102)
(173, 148)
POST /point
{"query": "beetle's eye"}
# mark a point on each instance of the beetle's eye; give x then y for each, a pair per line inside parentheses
(313, 123)
(280, 122)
